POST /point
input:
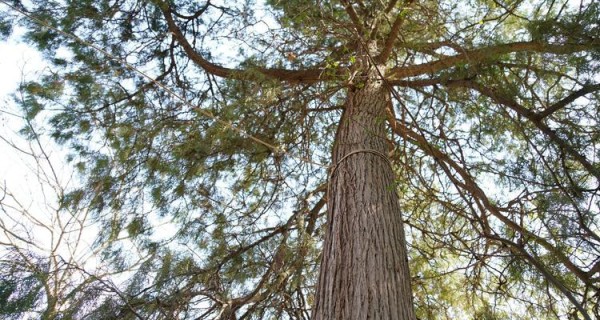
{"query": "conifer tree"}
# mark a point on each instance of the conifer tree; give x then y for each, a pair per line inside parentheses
(337, 159)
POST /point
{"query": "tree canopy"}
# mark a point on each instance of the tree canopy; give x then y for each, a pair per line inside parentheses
(202, 132)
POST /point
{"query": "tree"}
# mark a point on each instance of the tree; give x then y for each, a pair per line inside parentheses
(473, 126)
(48, 267)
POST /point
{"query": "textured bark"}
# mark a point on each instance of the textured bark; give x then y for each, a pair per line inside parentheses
(364, 270)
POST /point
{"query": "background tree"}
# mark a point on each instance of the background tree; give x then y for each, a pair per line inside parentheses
(48, 266)
(480, 117)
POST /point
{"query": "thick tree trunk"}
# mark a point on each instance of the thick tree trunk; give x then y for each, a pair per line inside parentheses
(364, 270)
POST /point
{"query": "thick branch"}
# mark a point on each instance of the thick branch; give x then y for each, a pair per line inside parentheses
(313, 214)
(354, 17)
(418, 83)
(295, 76)
(483, 54)
(388, 47)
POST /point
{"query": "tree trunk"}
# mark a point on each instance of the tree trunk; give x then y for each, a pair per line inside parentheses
(364, 270)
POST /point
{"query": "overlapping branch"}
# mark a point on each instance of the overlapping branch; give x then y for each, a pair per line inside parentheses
(469, 184)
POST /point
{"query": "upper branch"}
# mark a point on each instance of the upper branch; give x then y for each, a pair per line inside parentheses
(388, 47)
(354, 17)
(391, 6)
(196, 14)
(484, 54)
(391, 39)
(295, 76)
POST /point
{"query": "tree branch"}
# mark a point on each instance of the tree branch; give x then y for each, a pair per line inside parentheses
(483, 54)
(388, 47)
(565, 101)
(391, 6)
(294, 76)
(196, 14)
(354, 18)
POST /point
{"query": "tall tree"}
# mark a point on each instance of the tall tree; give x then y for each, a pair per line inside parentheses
(472, 126)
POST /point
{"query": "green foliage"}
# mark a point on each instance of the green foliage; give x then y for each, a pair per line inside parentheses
(6, 26)
(581, 27)
(18, 296)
